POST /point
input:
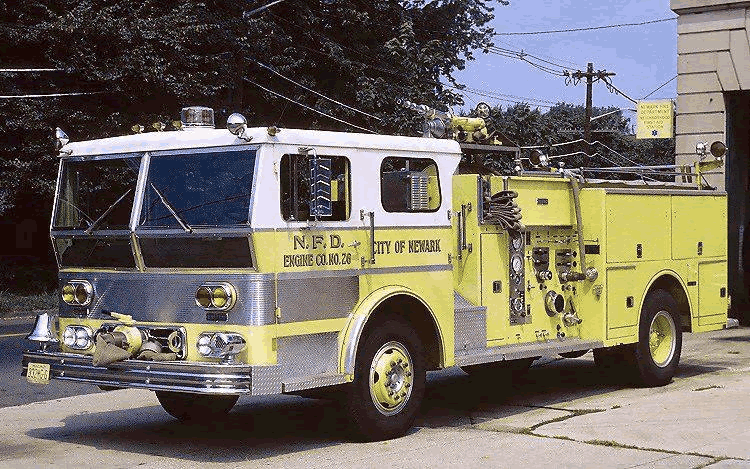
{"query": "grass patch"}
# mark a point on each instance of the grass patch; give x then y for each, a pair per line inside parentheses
(706, 388)
(13, 303)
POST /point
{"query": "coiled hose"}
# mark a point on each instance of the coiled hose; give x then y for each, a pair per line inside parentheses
(501, 209)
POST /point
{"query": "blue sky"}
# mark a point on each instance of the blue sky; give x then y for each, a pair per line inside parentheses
(643, 57)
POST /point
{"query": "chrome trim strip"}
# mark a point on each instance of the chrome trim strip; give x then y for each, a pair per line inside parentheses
(639, 191)
(103, 156)
(140, 185)
(315, 382)
(712, 260)
(352, 341)
(357, 272)
(211, 149)
(198, 232)
(200, 378)
(135, 247)
(96, 234)
(516, 351)
(330, 226)
(621, 267)
(56, 201)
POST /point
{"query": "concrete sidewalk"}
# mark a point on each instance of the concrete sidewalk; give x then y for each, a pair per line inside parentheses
(562, 414)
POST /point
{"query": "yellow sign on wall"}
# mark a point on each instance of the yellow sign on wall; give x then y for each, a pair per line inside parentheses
(655, 119)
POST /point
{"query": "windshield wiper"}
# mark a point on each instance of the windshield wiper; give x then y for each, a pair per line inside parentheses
(84, 214)
(171, 209)
(106, 212)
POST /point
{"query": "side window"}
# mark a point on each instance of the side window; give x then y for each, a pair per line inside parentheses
(315, 187)
(409, 185)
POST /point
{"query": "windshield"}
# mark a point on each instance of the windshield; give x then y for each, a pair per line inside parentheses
(203, 189)
(96, 194)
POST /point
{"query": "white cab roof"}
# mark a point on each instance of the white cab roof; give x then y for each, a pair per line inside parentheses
(203, 138)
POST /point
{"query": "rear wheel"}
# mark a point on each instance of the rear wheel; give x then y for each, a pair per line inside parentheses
(389, 382)
(186, 406)
(657, 353)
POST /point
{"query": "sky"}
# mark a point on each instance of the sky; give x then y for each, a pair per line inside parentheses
(643, 57)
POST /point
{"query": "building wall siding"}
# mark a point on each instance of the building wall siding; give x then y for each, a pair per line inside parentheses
(713, 58)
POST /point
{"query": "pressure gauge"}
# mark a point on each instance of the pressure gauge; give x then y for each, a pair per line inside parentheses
(516, 243)
(518, 305)
(516, 263)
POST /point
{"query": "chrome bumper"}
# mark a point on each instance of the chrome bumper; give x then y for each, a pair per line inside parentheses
(200, 378)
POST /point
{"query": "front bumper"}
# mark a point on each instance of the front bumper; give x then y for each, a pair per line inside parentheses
(179, 376)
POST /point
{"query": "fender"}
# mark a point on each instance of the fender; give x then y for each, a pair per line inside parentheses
(353, 331)
(657, 276)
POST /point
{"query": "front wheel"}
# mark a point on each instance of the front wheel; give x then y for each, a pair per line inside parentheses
(389, 382)
(657, 353)
(185, 406)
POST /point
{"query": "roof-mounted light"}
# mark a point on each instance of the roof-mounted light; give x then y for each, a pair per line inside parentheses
(237, 125)
(197, 117)
(61, 139)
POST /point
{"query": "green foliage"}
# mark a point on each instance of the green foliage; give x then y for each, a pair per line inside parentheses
(151, 58)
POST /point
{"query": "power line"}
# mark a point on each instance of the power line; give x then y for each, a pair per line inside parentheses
(24, 70)
(593, 28)
(611, 87)
(272, 70)
(308, 107)
(569, 62)
(660, 87)
(51, 95)
(520, 55)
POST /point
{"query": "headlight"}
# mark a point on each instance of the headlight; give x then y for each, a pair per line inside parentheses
(78, 337)
(216, 296)
(77, 292)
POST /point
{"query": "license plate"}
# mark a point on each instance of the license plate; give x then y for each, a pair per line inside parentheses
(38, 373)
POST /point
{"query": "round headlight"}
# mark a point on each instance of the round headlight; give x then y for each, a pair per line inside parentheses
(220, 297)
(69, 336)
(83, 293)
(68, 293)
(78, 337)
(203, 297)
(203, 345)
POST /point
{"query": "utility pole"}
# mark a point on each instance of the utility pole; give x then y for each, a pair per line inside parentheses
(589, 75)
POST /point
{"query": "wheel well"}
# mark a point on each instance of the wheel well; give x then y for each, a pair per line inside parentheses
(414, 312)
(672, 286)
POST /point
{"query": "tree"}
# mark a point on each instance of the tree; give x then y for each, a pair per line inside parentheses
(146, 60)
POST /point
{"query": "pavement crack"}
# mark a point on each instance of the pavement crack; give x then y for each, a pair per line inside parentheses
(572, 414)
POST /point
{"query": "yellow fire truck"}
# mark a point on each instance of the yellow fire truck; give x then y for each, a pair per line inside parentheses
(205, 264)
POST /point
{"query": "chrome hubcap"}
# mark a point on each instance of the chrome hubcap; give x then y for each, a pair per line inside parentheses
(391, 378)
(662, 339)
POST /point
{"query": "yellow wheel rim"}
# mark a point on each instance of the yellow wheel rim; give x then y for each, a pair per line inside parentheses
(662, 339)
(391, 378)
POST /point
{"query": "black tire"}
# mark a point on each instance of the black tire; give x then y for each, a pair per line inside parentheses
(657, 353)
(185, 406)
(390, 359)
(612, 358)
